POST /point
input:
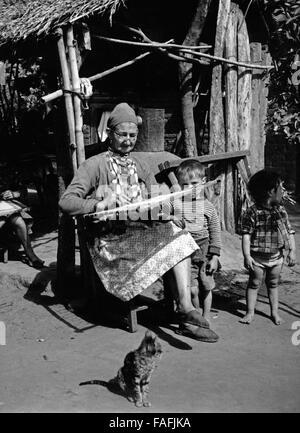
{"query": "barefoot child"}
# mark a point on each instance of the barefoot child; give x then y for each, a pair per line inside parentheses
(266, 232)
(201, 220)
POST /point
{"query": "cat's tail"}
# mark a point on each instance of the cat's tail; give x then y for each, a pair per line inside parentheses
(95, 382)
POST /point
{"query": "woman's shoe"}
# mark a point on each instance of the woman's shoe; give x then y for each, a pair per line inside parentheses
(36, 263)
(197, 333)
(193, 317)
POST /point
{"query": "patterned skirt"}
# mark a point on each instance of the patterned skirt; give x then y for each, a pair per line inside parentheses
(131, 257)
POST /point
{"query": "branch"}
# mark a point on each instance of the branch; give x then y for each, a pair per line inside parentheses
(223, 60)
(59, 93)
(157, 46)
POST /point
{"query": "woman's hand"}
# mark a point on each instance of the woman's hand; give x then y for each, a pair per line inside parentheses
(109, 202)
(8, 195)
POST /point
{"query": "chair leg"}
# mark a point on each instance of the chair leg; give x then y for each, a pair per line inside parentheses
(5, 255)
(132, 321)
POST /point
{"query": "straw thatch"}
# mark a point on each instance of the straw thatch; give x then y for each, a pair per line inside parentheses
(20, 19)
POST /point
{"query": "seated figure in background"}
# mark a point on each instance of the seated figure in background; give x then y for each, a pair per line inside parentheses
(17, 221)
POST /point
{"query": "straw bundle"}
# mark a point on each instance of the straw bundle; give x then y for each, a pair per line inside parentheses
(20, 19)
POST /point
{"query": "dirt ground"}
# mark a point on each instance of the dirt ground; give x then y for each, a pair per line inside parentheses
(50, 350)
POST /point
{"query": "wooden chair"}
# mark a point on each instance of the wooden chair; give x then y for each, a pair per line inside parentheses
(92, 284)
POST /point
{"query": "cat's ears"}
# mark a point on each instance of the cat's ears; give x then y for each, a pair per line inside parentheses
(150, 334)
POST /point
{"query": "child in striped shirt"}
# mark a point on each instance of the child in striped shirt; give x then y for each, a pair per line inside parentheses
(201, 220)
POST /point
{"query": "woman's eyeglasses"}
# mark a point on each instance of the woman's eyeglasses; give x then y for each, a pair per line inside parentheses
(125, 136)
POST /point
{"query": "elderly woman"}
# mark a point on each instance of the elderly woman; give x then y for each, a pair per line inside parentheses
(130, 255)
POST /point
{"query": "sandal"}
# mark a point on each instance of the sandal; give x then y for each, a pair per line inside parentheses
(197, 333)
(193, 317)
(36, 263)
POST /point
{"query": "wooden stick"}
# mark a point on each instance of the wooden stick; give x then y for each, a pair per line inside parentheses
(59, 93)
(228, 61)
(76, 99)
(151, 202)
(118, 67)
(206, 159)
(68, 97)
(153, 45)
(190, 50)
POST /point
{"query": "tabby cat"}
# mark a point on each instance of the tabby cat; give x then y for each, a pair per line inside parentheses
(134, 377)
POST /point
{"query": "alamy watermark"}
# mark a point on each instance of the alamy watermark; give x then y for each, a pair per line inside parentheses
(296, 335)
(163, 204)
(2, 334)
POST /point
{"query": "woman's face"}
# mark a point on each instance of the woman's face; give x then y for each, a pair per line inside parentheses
(123, 137)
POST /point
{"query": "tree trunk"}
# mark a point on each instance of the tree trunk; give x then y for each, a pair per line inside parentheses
(185, 73)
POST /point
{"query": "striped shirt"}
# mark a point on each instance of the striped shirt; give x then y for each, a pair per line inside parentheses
(200, 218)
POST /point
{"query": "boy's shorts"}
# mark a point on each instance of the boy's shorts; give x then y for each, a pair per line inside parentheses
(199, 278)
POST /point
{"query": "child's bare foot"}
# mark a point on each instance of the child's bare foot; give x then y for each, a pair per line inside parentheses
(277, 319)
(247, 318)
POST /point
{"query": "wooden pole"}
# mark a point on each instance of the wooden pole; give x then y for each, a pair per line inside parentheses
(66, 226)
(263, 106)
(185, 71)
(184, 49)
(244, 84)
(217, 124)
(231, 83)
(76, 98)
(256, 163)
(65, 267)
(66, 166)
(73, 63)
(216, 115)
(59, 93)
(230, 114)
(67, 96)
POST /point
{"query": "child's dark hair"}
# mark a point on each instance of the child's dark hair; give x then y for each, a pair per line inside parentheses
(190, 167)
(261, 183)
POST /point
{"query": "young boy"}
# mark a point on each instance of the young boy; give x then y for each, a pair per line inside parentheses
(201, 220)
(266, 232)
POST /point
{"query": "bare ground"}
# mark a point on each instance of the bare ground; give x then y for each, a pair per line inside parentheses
(50, 350)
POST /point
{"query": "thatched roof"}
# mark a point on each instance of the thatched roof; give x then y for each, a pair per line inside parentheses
(20, 19)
